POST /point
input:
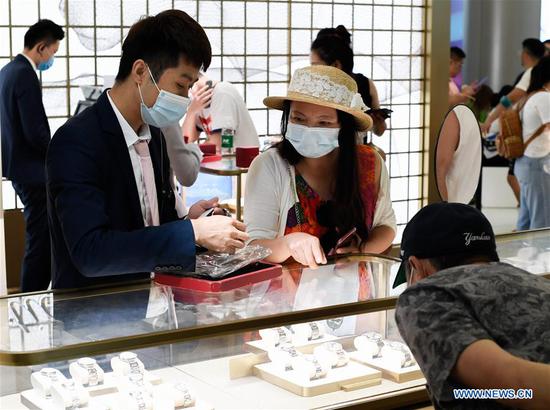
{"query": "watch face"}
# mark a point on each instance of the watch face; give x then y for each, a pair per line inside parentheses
(315, 331)
(335, 323)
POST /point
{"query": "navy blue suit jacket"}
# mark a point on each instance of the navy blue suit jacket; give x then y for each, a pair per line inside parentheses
(25, 131)
(94, 211)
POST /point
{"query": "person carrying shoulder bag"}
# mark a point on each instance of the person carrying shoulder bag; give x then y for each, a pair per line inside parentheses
(532, 166)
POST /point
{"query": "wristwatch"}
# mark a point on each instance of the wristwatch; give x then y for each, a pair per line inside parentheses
(71, 388)
(370, 343)
(137, 395)
(315, 331)
(66, 394)
(42, 380)
(86, 371)
(127, 363)
(187, 397)
(132, 361)
(333, 353)
(275, 336)
(305, 332)
(398, 354)
(309, 367)
(282, 355)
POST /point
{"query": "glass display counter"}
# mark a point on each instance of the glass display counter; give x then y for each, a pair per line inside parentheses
(529, 250)
(304, 339)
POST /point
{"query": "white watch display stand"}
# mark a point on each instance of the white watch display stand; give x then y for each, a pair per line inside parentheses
(389, 370)
(349, 377)
(87, 372)
(140, 390)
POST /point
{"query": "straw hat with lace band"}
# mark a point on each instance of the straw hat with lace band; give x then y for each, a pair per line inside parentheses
(328, 87)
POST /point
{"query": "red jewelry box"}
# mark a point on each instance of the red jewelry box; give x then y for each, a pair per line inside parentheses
(249, 275)
(211, 157)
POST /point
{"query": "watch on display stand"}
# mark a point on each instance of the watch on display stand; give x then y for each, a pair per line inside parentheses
(333, 353)
(309, 367)
(134, 400)
(127, 363)
(283, 355)
(392, 358)
(87, 372)
(306, 332)
(42, 380)
(370, 343)
(276, 336)
(175, 395)
(135, 392)
(66, 394)
(397, 354)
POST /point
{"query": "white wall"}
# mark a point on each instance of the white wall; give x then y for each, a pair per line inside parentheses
(493, 32)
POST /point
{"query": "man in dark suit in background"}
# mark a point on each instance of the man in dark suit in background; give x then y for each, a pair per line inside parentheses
(25, 137)
(111, 205)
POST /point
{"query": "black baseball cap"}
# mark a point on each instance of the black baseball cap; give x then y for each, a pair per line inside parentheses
(445, 228)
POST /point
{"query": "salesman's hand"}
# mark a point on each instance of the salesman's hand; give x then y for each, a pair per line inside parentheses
(219, 233)
(305, 249)
(198, 208)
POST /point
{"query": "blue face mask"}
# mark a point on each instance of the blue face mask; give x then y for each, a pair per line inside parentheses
(312, 142)
(45, 65)
(168, 108)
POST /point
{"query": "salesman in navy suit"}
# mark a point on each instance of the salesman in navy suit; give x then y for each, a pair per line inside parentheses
(111, 205)
(25, 137)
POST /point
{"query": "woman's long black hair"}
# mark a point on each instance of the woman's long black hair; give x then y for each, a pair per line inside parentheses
(346, 209)
(331, 48)
(540, 75)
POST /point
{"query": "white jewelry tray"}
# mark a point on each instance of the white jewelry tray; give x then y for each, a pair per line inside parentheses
(353, 376)
(100, 396)
(399, 375)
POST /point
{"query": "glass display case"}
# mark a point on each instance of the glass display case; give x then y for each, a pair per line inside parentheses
(300, 339)
(305, 338)
(529, 250)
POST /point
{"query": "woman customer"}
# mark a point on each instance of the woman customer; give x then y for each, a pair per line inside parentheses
(533, 168)
(317, 184)
(333, 47)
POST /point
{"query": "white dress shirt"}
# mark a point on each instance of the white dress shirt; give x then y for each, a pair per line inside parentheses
(33, 65)
(131, 138)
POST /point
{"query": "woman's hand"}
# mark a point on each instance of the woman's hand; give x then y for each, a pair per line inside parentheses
(305, 249)
(352, 245)
(198, 208)
(485, 127)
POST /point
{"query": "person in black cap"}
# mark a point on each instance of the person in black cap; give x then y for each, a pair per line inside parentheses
(470, 320)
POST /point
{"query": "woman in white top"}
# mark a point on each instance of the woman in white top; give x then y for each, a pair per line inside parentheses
(317, 185)
(533, 168)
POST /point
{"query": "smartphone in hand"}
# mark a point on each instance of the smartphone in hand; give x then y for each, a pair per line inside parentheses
(344, 240)
(210, 212)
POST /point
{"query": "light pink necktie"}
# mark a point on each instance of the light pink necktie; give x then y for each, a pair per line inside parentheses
(148, 178)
